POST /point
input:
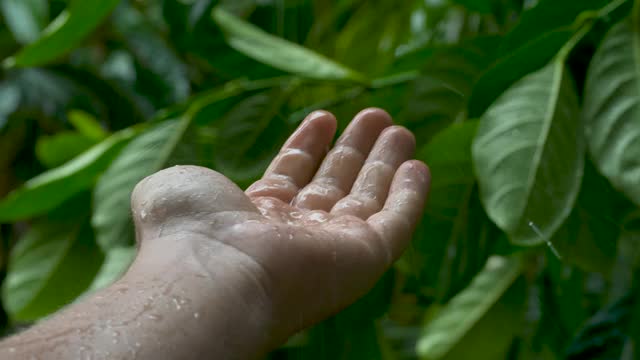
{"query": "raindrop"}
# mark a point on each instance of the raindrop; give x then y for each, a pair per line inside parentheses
(319, 217)
(176, 303)
(154, 317)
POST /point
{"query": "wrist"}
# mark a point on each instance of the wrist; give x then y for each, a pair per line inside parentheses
(214, 289)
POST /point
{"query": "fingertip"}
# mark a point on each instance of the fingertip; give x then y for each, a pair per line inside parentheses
(377, 113)
(374, 119)
(322, 119)
(420, 169)
(400, 139)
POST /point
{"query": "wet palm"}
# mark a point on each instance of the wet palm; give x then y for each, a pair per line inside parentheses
(317, 230)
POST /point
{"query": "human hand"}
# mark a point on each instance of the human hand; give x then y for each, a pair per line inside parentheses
(311, 236)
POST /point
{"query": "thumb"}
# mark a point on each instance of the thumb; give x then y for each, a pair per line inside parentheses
(184, 194)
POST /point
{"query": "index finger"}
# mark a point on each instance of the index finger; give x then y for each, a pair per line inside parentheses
(298, 159)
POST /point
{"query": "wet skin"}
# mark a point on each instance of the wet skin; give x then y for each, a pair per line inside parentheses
(226, 274)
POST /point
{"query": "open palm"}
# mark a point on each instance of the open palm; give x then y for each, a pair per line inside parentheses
(318, 229)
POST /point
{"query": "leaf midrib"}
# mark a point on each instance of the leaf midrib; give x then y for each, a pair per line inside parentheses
(544, 134)
(635, 39)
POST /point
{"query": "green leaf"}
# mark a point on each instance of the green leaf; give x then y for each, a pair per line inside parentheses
(589, 237)
(49, 267)
(464, 310)
(64, 33)
(529, 155)
(612, 108)
(255, 130)
(454, 221)
(53, 187)
(57, 149)
(142, 157)
(532, 43)
(369, 39)
(511, 67)
(557, 15)
(449, 157)
(279, 53)
(25, 18)
(605, 334)
(440, 94)
(116, 263)
(87, 125)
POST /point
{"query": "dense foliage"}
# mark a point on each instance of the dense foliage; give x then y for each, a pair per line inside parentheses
(528, 113)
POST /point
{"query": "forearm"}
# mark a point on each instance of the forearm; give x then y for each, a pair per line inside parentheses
(168, 305)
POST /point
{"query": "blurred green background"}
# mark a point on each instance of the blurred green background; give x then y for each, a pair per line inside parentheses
(528, 113)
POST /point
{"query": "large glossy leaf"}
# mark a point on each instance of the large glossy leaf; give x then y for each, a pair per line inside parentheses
(612, 108)
(50, 266)
(279, 53)
(25, 18)
(463, 312)
(143, 156)
(53, 187)
(64, 33)
(529, 155)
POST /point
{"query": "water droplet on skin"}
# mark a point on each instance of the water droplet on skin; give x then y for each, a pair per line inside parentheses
(154, 317)
(317, 217)
(196, 315)
(176, 303)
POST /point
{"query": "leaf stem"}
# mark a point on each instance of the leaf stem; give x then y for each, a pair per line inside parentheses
(585, 22)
